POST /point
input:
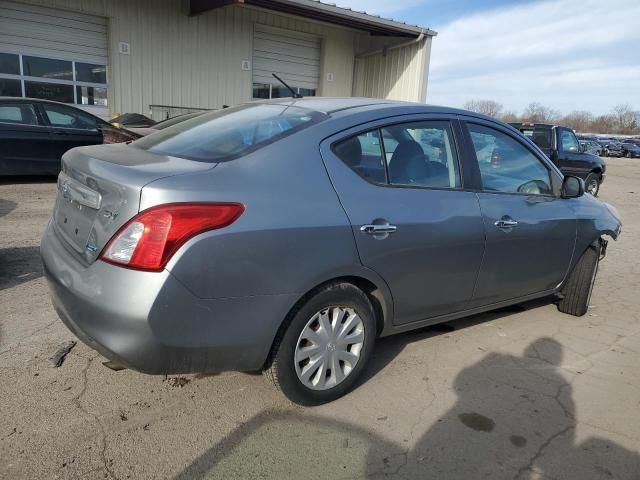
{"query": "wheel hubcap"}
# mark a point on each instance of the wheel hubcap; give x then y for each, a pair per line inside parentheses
(329, 347)
(592, 188)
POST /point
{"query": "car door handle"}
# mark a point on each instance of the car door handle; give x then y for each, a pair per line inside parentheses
(506, 224)
(378, 229)
(60, 132)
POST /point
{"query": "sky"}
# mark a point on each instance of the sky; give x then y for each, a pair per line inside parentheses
(566, 54)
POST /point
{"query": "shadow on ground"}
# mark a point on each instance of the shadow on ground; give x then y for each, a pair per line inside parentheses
(514, 418)
(388, 348)
(18, 179)
(6, 207)
(19, 265)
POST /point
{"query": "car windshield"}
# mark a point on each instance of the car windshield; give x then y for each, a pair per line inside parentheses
(230, 133)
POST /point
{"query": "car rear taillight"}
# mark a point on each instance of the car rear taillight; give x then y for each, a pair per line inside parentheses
(149, 239)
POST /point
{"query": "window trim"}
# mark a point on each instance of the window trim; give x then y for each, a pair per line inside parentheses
(379, 125)
(73, 83)
(551, 169)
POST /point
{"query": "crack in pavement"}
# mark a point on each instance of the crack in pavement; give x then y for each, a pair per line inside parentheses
(24, 339)
(77, 402)
(540, 451)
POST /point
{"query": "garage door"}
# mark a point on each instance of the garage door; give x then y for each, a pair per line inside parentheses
(53, 54)
(294, 56)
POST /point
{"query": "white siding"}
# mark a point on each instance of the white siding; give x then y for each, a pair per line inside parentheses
(398, 74)
(195, 61)
(34, 30)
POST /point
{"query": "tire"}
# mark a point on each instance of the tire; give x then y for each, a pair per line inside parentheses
(282, 368)
(576, 292)
(592, 184)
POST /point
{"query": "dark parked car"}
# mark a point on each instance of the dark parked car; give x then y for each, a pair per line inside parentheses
(34, 134)
(287, 236)
(630, 150)
(614, 149)
(591, 146)
(562, 147)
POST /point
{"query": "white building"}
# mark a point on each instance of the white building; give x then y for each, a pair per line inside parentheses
(160, 56)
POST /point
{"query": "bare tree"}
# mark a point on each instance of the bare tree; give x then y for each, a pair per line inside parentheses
(626, 120)
(603, 124)
(538, 113)
(578, 120)
(485, 107)
(510, 116)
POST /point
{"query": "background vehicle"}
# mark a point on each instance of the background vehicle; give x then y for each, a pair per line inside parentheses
(284, 237)
(34, 134)
(630, 150)
(144, 131)
(561, 146)
(132, 120)
(614, 149)
(591, 146)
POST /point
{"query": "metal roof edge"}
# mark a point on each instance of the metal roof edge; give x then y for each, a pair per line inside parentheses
(357, 15)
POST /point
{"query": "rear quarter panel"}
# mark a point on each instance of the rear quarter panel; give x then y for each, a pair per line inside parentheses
(292, 236)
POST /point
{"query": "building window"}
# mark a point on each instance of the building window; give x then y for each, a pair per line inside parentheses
(10, 88)
(49, 91)
(9, 63)
(267, 90)
(65, 81)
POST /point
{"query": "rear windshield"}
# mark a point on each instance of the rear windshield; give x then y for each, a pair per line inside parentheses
(230, 133)
(540, 136)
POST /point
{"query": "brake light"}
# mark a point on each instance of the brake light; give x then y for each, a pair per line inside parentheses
(149, 240)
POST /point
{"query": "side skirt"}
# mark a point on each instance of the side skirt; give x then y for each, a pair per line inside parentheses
(393, 329)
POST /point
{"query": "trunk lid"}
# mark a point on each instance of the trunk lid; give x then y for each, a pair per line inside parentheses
(99, 190)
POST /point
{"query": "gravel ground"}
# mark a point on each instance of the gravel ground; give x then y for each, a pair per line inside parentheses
(519, 393)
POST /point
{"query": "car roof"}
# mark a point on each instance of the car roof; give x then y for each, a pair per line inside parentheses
(331, 105)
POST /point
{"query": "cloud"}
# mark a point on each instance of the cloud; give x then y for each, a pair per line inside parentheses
(567, 54)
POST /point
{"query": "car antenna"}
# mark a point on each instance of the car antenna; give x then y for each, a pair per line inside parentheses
(294, 94)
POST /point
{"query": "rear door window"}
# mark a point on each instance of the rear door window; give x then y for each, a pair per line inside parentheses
(230, 133)
(416, 154)
(363, 153)
(21, 114)
(424, 155)
(65, 117)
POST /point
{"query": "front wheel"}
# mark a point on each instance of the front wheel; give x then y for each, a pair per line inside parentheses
(576, 292)
(592, 184)
(320, 354)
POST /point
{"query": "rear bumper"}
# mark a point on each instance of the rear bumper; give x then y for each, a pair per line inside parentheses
(151, 323)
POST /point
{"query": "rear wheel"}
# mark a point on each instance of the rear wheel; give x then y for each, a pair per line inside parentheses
(320, 354)
(576, 293)
(592, 184)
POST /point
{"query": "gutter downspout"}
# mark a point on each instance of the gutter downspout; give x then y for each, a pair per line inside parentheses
(385, 49)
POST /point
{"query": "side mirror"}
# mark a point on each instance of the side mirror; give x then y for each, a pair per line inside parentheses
(572, 187)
